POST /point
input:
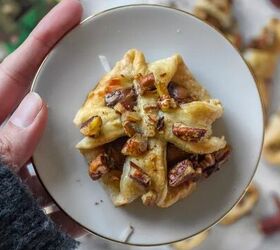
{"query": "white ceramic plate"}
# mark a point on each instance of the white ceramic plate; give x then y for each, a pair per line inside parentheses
(73, 68)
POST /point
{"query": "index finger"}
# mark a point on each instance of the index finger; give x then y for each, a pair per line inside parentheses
(18, 69)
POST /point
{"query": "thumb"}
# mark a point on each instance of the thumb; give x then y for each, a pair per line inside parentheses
(21, 134)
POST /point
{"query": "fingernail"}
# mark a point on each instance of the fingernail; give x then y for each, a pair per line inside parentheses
(27, 111)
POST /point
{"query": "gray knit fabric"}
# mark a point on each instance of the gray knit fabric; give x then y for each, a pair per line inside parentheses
(23, 225)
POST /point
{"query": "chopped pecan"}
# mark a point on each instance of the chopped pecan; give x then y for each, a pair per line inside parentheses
(152, 119)
(130, 99)
(111, 99)
(138, 174)
(179, 93)
(135, 146)
(99, 166)
(160, 123)
(222, 155)
(131, 116)
(150, 107)
(208, 161)
(92, 126)
(189, 134)
(113, 149)
(166, 102)
(129, 128)
(182, 172)
(147, 83)
(120, 108)
(127, 97)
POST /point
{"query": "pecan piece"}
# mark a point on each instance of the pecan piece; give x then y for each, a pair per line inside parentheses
(147, 83)
(135, 146)
(111, 99)
(208, 161)
(182, 172)
(127, 97)
(129, 128)
(131, 116)
(188, 134)
(222, 155)
(178, 92)
(138, 174)
(92, 126)
(166, 102)
(99, 166)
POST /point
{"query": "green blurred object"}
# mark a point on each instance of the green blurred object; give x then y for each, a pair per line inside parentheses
(18, 18)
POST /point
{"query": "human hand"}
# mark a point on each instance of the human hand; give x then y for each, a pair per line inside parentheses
(20, 135)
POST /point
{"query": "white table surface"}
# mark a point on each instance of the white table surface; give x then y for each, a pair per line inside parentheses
(243, 235)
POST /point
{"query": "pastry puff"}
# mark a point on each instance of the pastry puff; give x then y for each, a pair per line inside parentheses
(271, 148)
(132, 115)
(245, 206)
(191, 243)
(219, 14)
(262, 55)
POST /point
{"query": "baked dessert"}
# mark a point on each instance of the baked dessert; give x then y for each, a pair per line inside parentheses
(243, 207)
(219, 14)
(271, 148)
(192, 242)
(262, 55)
(148, 131)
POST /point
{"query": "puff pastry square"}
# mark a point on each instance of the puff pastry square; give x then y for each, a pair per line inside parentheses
(148, 131)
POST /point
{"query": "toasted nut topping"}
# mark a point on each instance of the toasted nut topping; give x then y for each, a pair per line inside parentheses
(131, 116)
(150, 107)
(113, 150)
(120, 108)
(129, 128)
(135, 146)
(136, 173)
(152, 119)
(166, 103)
(147, 83)
(149, 199)
(208, 161)
(222, 155)
(111, 99)
(127, 97)
(92, 126)
(99, 166)
(160, 123)
(178, 92)
(182, 172)
(186, 133)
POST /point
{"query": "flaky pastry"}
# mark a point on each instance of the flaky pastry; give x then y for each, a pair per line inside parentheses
(139, 113)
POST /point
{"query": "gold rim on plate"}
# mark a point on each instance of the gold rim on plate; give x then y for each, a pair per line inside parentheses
(85, 21)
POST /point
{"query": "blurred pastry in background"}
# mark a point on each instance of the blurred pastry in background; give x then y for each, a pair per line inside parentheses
(219, 14)
(262, 54)
(271, 149)
(244, 206)
(191, 243)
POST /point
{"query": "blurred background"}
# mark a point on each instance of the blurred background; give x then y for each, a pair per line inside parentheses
(254, 224)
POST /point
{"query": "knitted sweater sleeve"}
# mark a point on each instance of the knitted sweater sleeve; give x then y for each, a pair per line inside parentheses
(23, 225)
